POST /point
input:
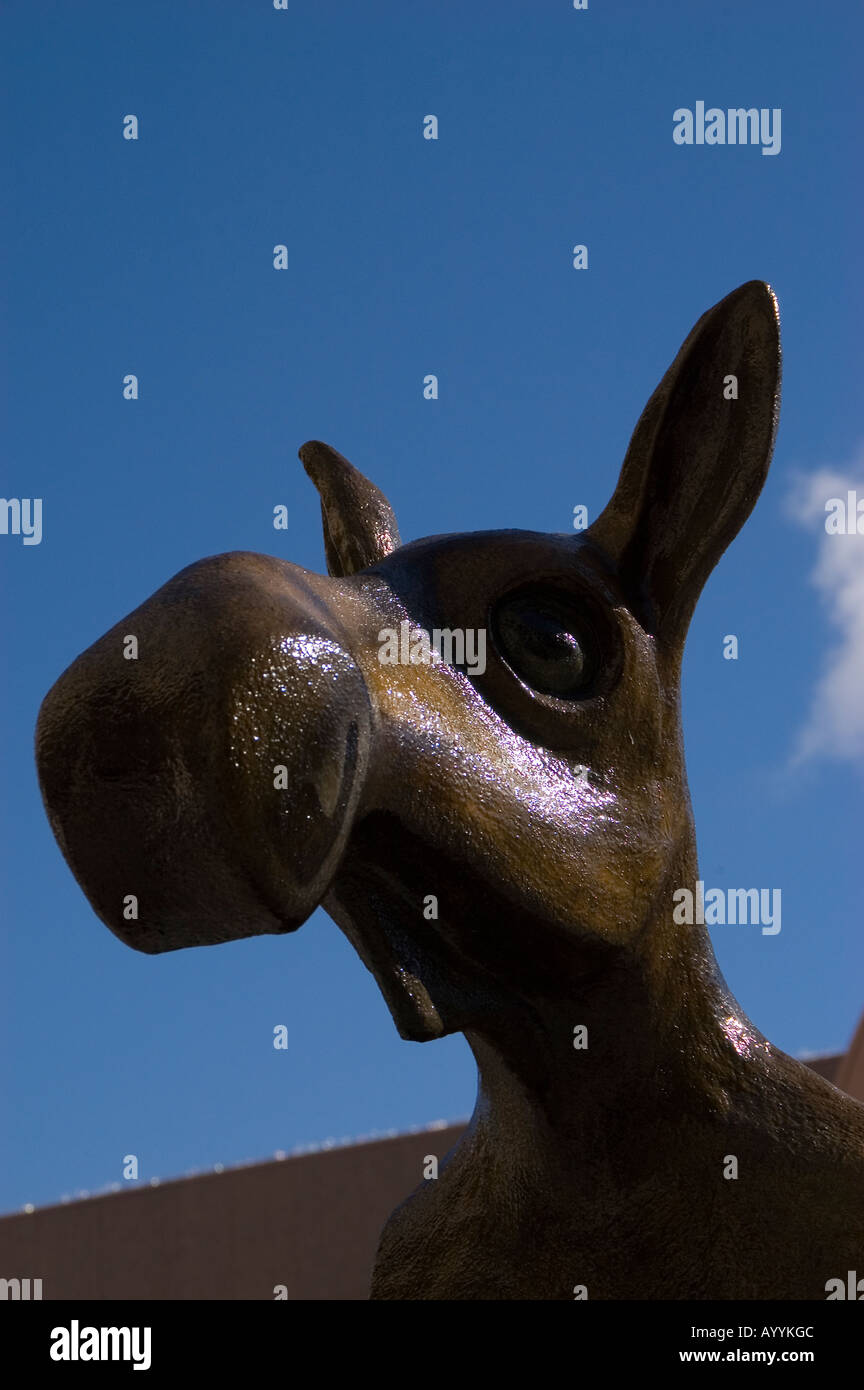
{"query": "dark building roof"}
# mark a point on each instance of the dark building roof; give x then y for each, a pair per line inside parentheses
(826, 1066)
(310, 1223)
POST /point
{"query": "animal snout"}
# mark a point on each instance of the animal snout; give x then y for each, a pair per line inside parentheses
(202, 763)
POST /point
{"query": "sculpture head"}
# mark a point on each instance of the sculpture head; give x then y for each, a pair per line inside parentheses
(487, 839)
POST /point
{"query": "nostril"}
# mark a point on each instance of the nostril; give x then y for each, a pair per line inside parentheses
(122, 759)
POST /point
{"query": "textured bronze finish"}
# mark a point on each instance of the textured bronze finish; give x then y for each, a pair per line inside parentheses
(542, 801)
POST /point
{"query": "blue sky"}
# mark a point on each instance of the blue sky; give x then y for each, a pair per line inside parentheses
(406, 257)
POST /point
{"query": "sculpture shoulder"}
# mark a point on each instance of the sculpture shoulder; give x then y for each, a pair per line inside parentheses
(810, 1115)
(766, 1202)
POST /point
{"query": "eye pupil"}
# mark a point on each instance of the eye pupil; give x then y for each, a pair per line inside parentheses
(544, 640)
(541, 639)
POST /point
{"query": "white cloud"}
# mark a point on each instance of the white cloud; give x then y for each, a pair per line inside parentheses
(835, 725)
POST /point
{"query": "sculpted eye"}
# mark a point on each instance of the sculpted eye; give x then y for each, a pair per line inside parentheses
(542, 639)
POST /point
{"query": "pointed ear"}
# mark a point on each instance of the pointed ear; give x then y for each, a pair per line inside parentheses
(359, 525)
(697, 461)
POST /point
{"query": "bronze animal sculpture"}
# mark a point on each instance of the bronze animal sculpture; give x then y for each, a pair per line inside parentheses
(258, 759)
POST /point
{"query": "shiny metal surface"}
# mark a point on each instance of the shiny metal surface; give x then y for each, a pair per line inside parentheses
(259, 759)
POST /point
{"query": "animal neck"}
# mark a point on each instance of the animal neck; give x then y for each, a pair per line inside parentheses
(643, 1037)
(620, 1065)
(572, 1148)
(578, 1136)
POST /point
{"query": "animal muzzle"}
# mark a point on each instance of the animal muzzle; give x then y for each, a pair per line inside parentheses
(203, 762)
